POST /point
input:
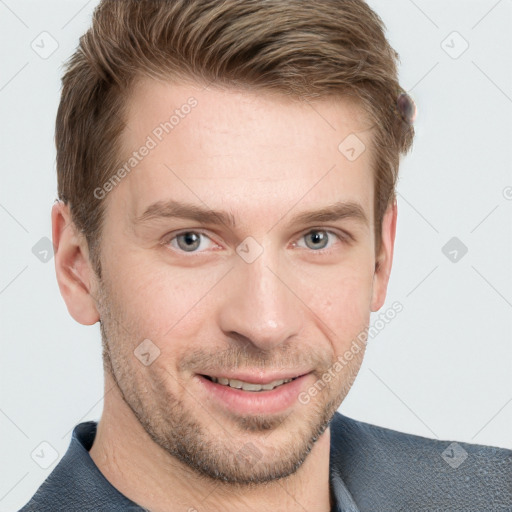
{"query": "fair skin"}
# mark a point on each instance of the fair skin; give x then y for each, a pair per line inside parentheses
(169, 438)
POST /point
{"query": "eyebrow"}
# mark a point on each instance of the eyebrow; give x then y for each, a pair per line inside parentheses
(176, 209)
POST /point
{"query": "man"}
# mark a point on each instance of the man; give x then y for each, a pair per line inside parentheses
(226, 176)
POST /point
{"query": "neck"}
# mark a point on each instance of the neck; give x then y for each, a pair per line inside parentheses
(148, 475)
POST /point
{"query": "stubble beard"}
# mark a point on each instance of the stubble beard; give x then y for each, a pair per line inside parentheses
(217, 458)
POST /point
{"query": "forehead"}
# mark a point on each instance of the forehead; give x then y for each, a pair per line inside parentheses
(215, 145)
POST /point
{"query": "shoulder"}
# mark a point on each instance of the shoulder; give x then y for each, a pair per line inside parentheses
(386, 469)
(76, 483)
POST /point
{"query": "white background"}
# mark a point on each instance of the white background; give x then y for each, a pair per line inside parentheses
(441, 369)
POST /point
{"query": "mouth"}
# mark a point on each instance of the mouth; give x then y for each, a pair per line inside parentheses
(252, 392)
(248, 386)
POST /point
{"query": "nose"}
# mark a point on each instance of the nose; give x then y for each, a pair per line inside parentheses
(260, 305)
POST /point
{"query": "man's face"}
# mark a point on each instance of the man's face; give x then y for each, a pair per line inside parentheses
(270, 296)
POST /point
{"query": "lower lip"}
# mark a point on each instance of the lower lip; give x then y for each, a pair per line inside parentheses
(255, 402)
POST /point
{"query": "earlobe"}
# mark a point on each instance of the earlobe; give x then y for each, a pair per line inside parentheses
(384, 257)
(75, 276)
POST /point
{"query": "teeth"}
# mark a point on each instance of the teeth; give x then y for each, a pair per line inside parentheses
(248, 386)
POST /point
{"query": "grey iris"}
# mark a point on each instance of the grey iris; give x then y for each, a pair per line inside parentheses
(189, 241)
(319, 239)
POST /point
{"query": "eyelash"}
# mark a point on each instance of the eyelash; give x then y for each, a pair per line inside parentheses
(343, 238)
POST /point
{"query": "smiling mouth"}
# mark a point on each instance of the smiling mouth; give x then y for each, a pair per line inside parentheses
(248, 386)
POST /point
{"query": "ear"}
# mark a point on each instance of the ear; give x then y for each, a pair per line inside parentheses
(384, 257)
(75, 274)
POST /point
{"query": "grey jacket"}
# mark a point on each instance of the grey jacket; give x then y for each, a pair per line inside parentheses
(371, 469)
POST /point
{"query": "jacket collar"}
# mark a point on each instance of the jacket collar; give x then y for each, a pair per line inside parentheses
(88, 477)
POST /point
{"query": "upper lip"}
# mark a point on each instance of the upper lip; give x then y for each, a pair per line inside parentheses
(258, 377)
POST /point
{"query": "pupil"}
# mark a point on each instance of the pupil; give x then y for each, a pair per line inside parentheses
(318, 237)
(191, 241)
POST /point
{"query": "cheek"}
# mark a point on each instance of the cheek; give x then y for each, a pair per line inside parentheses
(159, 301)
(341, 298)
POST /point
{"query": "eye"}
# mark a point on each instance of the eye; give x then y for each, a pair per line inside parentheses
(190, 241)
(318, 239)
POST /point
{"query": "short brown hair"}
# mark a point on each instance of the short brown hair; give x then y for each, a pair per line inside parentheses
(305, 49)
